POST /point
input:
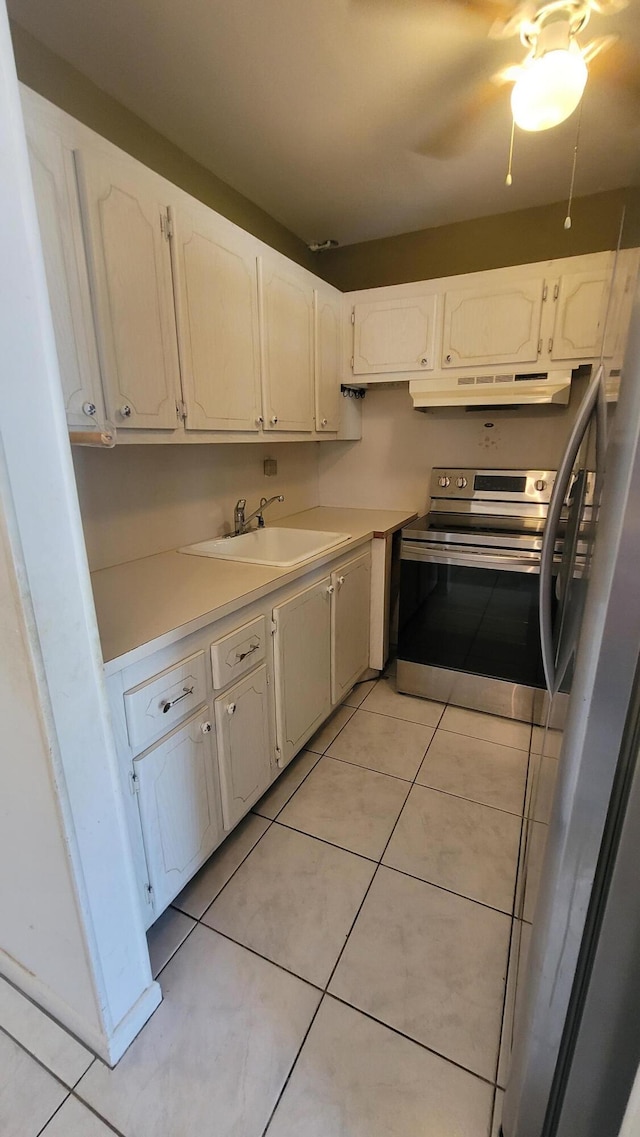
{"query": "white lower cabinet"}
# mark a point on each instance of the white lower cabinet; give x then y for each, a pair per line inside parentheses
(245, 750)
(303, 666)
(177, 787)
(202, 726)
(350, 623)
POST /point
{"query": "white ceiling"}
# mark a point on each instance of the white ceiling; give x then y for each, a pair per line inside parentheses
(316, 109)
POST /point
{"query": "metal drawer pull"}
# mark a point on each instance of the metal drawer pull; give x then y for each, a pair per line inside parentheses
(240, 655)
(172, 702)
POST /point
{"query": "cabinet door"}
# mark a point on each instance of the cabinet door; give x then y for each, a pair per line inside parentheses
(303, 666)
(350, 622)
(492, 324)
(581, 308)
(217, 313)
(328, 342)
(54, 183)
(244, 744)
(286, 329)
(179, 807)
(127, 231)
(394, 335)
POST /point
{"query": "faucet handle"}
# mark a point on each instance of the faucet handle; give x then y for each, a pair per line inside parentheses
(241, 503)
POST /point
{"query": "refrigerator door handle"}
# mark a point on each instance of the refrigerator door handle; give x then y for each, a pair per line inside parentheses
(592, 398)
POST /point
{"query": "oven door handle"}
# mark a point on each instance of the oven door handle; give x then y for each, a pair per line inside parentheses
(591, 399)
(430, 554)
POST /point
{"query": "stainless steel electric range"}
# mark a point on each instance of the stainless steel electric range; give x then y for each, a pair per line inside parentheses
(469, 591)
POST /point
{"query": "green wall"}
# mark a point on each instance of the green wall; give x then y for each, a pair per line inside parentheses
(524, 236)
(520, 237)
(488, 242)
(56, 80)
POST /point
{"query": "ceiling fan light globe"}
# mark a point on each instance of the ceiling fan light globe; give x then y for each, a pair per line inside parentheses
(549, 89)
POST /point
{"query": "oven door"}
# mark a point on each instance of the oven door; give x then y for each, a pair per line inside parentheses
(471, 610)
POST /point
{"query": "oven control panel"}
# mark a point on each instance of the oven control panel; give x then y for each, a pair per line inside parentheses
(493, 485)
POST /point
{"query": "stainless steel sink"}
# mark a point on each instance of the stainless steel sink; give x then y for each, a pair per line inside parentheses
(280, 548)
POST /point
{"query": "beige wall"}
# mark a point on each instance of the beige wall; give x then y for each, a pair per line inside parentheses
(140, 500)
(521, 237)
(390, 467)
(56, 80)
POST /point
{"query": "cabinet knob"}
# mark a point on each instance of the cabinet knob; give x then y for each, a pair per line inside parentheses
(331, 589)
(259, 420)
(125, 411)
(341, 580)
(424, 361)
(274, 419)
(449, 359)
(324, 422)
(231, 708)
(89, 409)
(205, 727)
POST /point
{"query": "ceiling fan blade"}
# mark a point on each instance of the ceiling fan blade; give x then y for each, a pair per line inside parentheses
(608, 7)
(619, 67)
(488, 10)
(508, 75)
(597, 46)
(452, 137)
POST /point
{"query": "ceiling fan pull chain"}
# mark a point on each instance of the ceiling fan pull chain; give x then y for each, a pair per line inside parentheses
(508, 180)
(567, 220)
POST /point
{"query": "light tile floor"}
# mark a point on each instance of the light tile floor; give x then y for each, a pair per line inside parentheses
(337, 969)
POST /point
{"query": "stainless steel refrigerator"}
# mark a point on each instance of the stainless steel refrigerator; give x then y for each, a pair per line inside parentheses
(571, 1041)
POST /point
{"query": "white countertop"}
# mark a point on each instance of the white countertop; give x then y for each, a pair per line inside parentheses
(146, 604)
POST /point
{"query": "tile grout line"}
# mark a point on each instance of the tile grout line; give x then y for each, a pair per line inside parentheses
(41, 1010)
(325, 993)
(248, 854)
(409, 1038)
(38, 1061)
(521, 853)
(303, 751)
(91, 1109)
(54, 1114)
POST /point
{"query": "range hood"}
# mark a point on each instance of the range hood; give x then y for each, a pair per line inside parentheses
(504, 388)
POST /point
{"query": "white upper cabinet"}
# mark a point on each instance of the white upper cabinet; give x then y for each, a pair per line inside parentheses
(179, 803)
(395, 335)
(127, 232)
(580, 314)
(303, 666)
(286, 329)
(217, 315)
(245, 749)
(493, 324)
(328, 344)
(351, 621)
(56, 193)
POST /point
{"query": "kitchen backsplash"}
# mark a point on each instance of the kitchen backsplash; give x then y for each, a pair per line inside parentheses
(391, 467)
(140, 500)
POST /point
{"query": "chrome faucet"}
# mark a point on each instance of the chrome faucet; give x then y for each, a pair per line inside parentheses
(241, 523)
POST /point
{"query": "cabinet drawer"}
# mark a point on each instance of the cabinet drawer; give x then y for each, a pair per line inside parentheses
(238, 652)
(156, 705)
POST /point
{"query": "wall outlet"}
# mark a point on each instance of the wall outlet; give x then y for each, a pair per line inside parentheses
(270, 467)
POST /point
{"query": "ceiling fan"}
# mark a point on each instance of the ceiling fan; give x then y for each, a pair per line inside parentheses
(549, 82)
